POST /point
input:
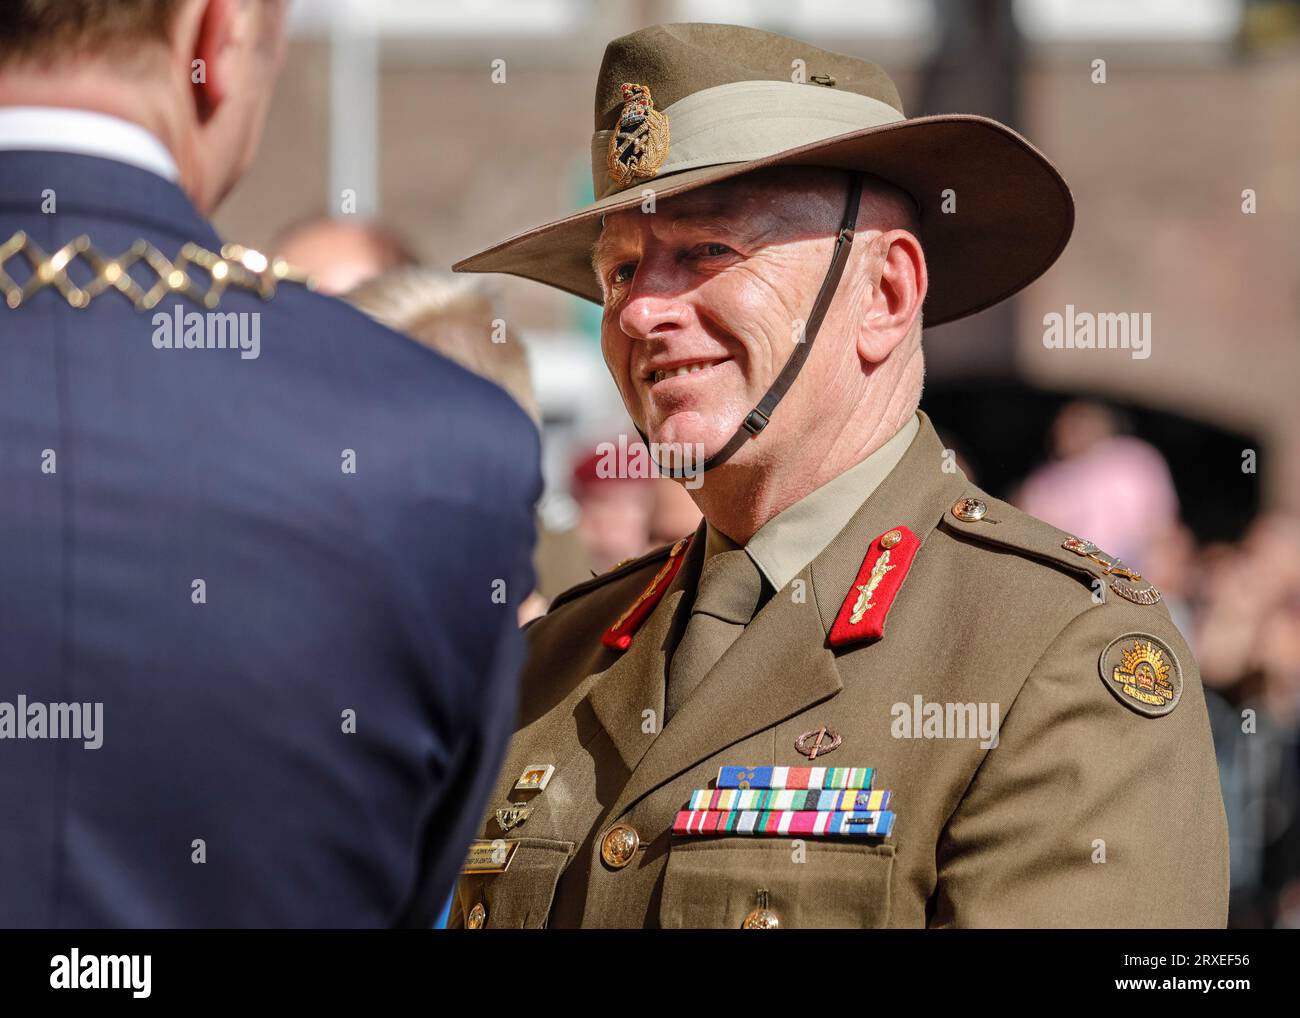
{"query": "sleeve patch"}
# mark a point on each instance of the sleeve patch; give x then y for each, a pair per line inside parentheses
(1143, 673)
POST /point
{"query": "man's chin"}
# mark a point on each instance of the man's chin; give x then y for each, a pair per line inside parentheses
(690, 438)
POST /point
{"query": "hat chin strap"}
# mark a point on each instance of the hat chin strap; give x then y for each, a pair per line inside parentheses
(759, 418)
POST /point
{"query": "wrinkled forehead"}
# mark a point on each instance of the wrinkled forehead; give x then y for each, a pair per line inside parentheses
(807, 197)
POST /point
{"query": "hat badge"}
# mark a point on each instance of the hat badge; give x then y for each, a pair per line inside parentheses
(639, 144)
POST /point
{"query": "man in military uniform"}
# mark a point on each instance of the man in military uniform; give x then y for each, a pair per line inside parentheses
(864, 692)
(261, 557)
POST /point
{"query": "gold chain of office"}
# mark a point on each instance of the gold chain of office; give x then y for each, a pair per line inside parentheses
(235, 266)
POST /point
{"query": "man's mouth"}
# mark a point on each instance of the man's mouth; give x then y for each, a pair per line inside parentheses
(690, 368)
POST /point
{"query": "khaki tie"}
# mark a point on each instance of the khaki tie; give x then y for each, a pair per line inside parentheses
(727, 596)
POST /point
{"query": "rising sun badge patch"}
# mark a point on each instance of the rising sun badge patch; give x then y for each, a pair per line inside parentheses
(1143, 673)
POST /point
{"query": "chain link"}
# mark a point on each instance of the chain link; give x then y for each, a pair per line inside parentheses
(235, 266)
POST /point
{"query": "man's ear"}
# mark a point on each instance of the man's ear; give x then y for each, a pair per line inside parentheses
(896, 299)
(215, 56)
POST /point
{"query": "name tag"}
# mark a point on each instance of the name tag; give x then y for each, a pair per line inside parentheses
(489, 856)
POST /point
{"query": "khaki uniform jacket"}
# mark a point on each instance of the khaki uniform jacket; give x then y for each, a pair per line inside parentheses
(1086, 813)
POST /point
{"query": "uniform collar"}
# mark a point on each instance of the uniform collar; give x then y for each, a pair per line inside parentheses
(800, 532)
(85, 132)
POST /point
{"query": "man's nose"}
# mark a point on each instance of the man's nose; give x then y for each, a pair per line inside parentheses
(655, 305)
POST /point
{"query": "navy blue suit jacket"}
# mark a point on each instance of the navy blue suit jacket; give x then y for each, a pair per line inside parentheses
(128, 472)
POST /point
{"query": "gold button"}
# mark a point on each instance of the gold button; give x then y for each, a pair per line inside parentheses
(618, 846)
(476, 918)
(890, 539)
(969, 510)
(762, 917)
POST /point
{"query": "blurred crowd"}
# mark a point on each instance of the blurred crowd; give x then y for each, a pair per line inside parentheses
(1238, 604)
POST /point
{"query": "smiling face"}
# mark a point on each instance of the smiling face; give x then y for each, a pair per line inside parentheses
(705, 297)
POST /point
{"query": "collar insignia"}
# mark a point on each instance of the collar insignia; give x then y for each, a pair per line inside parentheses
(862, 617)
(619, 635)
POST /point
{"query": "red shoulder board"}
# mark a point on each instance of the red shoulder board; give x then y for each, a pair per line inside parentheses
(619, 635)
(883, 571)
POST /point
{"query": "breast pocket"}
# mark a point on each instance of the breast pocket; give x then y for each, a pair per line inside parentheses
(519, 898)
(718, 883)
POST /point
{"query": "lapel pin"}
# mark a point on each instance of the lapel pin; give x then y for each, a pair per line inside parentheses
(534, 777)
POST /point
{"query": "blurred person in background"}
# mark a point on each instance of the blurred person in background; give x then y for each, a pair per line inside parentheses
(1115, 488)
(270, 567)
(614, 513)
(674, 516)
(458, 318)
(339, 254)
(1247, 605)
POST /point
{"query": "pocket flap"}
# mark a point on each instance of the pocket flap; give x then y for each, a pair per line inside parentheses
(715, 883)
(519, 898)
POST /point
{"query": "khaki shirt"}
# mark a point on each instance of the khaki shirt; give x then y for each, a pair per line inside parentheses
(1087, 812)
(798, 534)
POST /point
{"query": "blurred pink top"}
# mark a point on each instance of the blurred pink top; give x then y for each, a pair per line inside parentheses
(1119, 495)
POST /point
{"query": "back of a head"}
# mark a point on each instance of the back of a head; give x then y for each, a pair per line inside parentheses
(455, 316)
(47, 31)
(340, 254)
(198, 74)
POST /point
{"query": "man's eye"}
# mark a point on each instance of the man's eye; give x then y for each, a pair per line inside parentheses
(623, 273)
(712, 250)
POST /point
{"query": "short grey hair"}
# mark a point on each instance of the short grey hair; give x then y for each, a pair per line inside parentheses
(455, 316)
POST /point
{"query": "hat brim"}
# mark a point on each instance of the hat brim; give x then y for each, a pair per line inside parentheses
(1011, 215)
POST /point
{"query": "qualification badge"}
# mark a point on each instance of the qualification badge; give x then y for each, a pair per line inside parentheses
(1123, 581)
(513, 815)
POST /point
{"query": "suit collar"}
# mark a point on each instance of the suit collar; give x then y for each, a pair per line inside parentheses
(90, 186)
(783, 663)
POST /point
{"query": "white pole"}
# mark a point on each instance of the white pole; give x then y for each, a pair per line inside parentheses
(354, 110)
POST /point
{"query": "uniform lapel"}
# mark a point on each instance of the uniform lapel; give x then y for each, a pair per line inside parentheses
(634, 683)
(782, 664)
(778, 667)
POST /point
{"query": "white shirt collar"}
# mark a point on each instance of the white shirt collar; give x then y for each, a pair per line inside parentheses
(59, 129)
